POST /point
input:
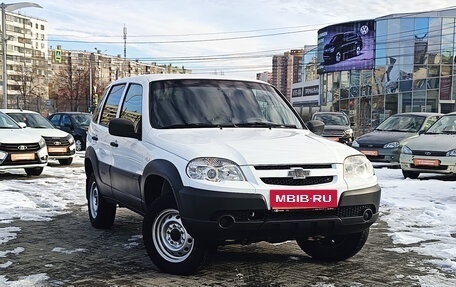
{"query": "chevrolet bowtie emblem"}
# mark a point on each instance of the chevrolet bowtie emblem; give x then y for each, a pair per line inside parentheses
(298, 173)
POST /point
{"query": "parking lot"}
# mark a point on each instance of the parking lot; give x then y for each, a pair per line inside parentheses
(65, 250)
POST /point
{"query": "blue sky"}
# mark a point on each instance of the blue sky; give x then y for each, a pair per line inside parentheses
(207, 36)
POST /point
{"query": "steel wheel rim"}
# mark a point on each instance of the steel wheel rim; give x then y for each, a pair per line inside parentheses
(94, 199)
(170, 237)
(78, 144)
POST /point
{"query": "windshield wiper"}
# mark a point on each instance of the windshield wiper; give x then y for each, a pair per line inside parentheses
(190, 125)
(265, 124)
(449, 132)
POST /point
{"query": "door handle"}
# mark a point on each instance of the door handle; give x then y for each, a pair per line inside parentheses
(95, 138)
(114, 144)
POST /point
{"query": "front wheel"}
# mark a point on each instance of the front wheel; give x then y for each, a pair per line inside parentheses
(33, 171)
(334, 248)
(410, 174)
(66, 161)
(171, 248)
(101, 212)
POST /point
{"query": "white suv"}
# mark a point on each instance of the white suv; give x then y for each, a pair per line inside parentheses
(20, 148)
(210, 160)
(60, 144)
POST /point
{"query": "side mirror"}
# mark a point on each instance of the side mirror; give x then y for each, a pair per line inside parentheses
(316, 126)
(22, 125)
(122, 128)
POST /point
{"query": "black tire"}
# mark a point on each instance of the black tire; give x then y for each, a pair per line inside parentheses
(167, 242)
(33, 171)
(66, 161)
(101, 212)
(334, 248)
(410, 174)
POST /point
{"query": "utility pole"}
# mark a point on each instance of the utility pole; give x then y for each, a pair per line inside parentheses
(125, 50)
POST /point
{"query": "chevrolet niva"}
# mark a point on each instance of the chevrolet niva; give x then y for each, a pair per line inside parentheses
(212, 160)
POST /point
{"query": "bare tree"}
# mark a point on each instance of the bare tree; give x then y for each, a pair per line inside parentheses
(71, 85)
(27, 82)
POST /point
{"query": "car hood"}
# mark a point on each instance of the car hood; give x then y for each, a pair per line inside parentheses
(248, 146)
(441, 142)
(14, 136)
(383, 137)
(49, 132)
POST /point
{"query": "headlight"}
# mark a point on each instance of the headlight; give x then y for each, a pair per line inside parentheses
(214, 169)
(357, 167)
(348, 132)
(70, 139)
(42, 143)
(391, 145)
(355, 144)
(451, 153)
(3, 155)
(406, 150)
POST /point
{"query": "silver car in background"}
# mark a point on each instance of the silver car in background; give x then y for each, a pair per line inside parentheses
(434, 151)
(383, 145)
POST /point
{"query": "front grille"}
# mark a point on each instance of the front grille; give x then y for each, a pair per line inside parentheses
(440, 167)
(429, 153)
(282, 167)
(262, 215)
(335, 133)
(361, 145)
(56, 141)
(30, 147)
(296, 182)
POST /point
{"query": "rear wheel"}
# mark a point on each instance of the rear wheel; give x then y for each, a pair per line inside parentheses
(33, 171)
(334, 248)
(101, 212)
(171, 248)
(410, 174)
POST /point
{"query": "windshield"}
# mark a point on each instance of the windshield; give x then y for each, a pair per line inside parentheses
(445, 125)
(32, 120)
(218, 103)
(82, 119)
(332, 119)
(7, 123)
(402, 123)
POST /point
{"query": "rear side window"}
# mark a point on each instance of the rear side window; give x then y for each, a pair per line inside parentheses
(111, 104)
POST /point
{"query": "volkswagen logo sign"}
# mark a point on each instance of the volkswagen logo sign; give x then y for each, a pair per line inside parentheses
(22, 147)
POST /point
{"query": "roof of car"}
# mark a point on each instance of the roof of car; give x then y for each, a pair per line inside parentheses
(159, 77)
(17, 111)
(418, 114)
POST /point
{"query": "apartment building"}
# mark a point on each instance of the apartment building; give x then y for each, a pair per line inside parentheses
(286, 70)
(26, 53)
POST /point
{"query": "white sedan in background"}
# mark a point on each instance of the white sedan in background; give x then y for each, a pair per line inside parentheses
(434, 151)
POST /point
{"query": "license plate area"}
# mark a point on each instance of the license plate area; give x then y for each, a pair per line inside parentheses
(22, 156)
(57, 149)
(426, 162)
(370, 152)
(303, 199)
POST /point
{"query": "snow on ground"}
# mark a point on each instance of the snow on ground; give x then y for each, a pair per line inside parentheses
(421, 214)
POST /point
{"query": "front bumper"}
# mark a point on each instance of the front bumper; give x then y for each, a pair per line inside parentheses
(447, 165)
(246, 218)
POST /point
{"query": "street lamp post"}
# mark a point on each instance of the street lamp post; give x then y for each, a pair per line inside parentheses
(9, 8)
